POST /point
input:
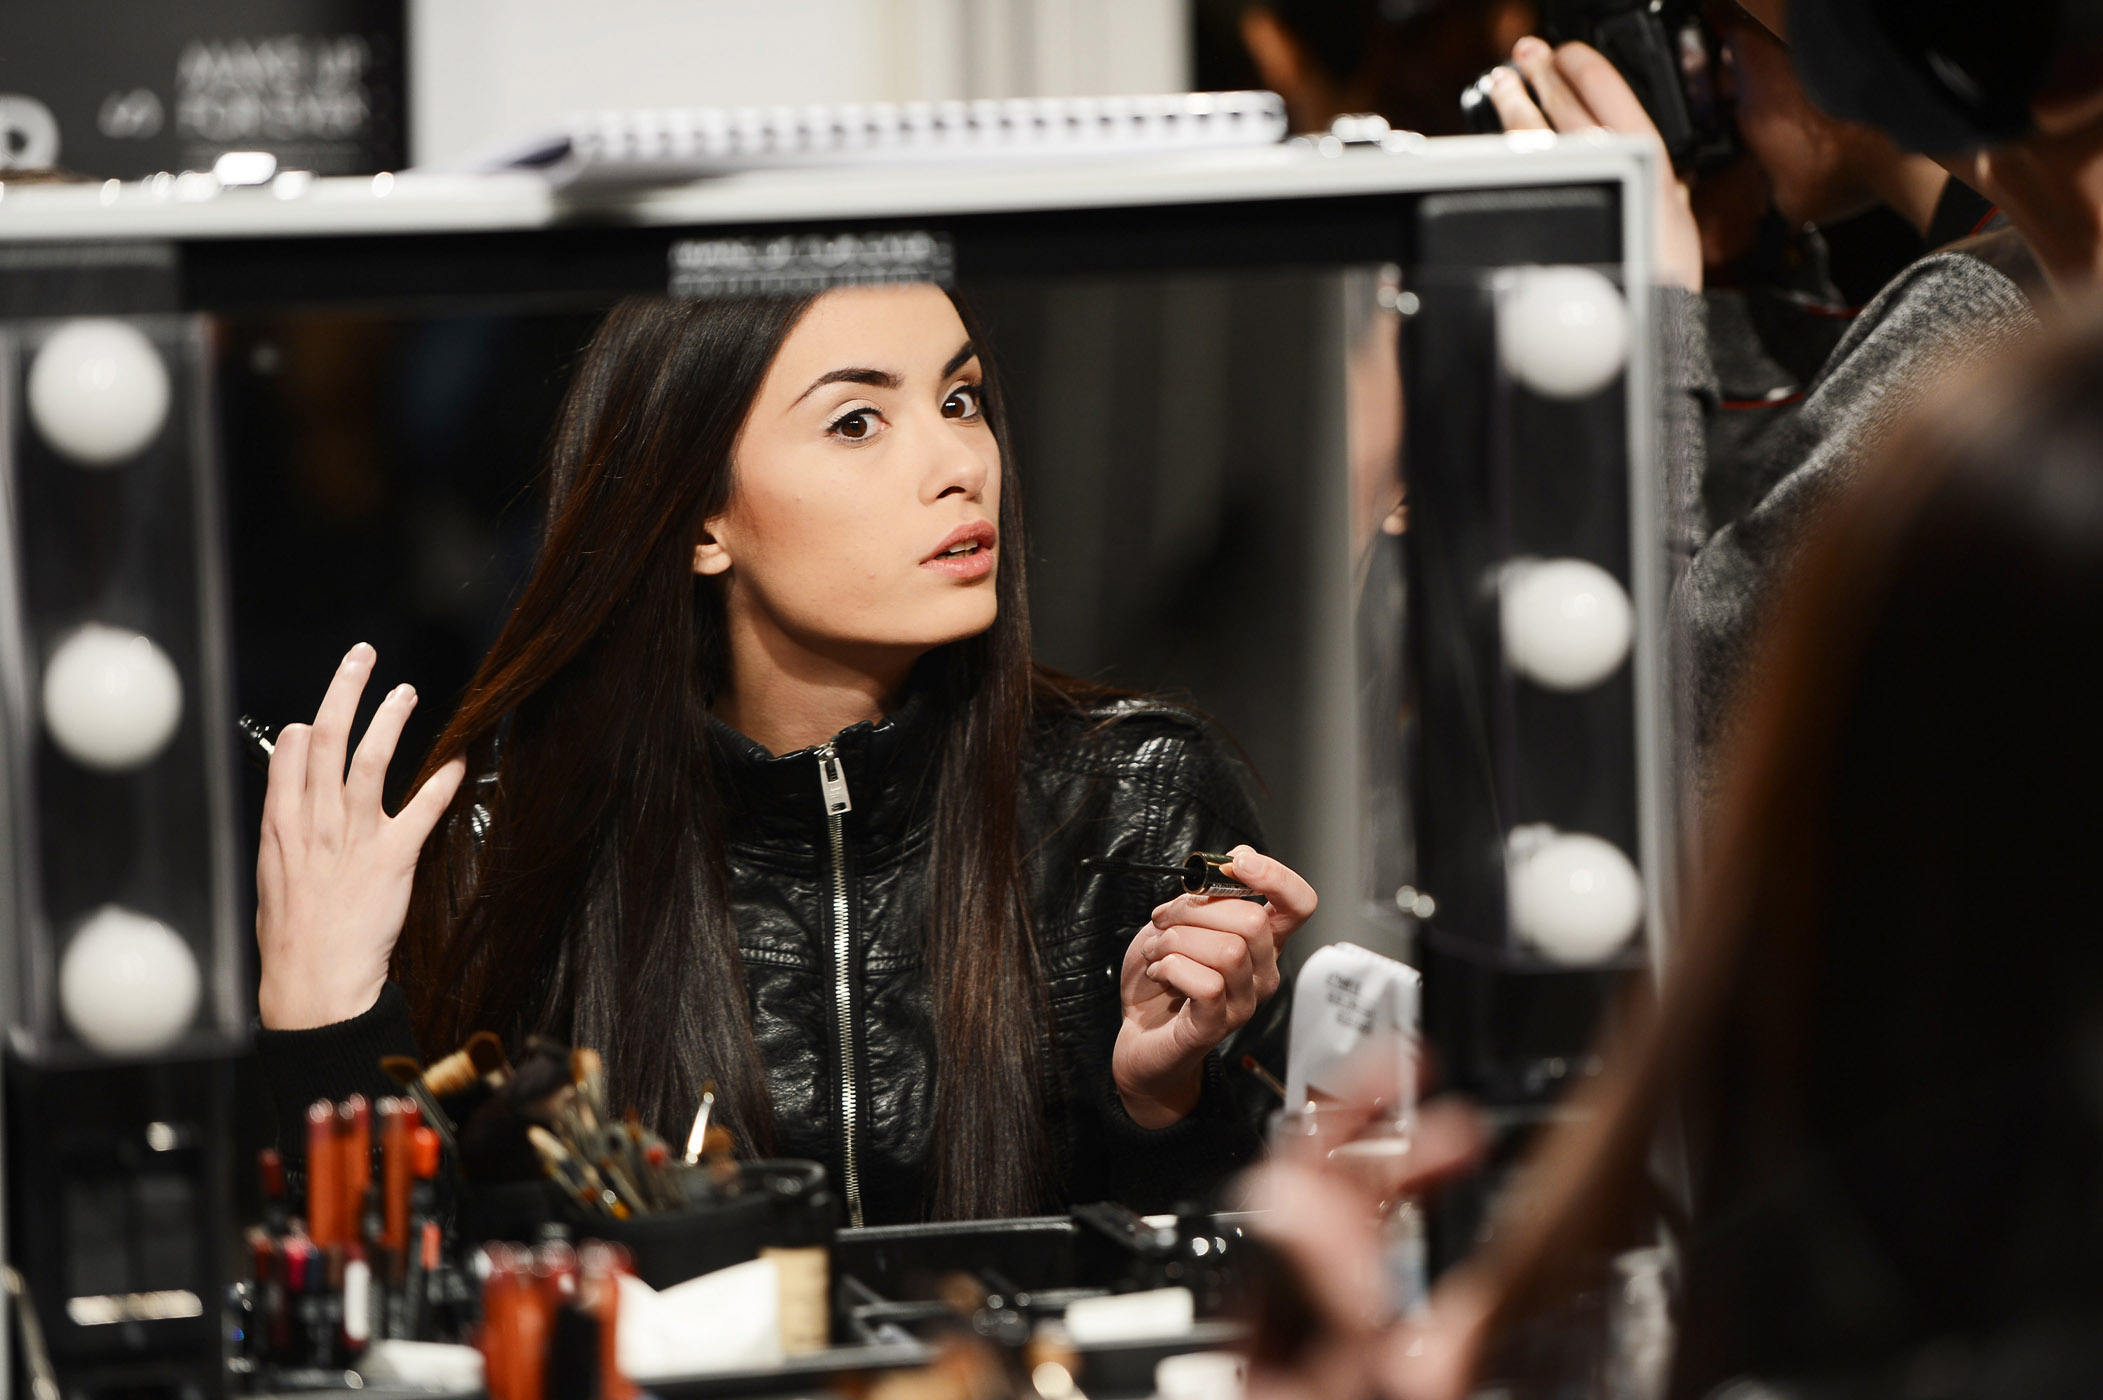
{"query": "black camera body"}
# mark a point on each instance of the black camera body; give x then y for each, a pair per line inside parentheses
(1671, 57)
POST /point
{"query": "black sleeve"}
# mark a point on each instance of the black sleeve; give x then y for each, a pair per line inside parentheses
(1200, 801)
(1155, 1170)
(331, 1062)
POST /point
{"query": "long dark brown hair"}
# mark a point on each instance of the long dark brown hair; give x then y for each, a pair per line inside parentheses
(594, 906)
(1881, 1042)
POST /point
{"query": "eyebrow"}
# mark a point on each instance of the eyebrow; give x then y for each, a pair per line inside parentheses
(881, 378)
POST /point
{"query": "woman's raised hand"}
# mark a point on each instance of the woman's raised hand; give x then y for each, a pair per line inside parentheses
(1194, 976)
(1580, 90)
(333, 874)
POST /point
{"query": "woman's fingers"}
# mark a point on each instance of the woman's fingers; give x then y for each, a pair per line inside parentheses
(1241, 916)
(1228, 954)
(368, 770)
(1292, 899)
(1559, 102)
(330, 743)
(421, 812)
(284, 799)
(1603, 91)
(1203, 988)
(1514, 104)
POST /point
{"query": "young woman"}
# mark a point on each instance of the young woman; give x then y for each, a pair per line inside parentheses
(768, 792)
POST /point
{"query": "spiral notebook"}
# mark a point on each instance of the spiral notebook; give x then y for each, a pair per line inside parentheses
(663, 145)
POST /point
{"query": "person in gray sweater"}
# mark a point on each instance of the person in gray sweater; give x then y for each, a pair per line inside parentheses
(1743, 503)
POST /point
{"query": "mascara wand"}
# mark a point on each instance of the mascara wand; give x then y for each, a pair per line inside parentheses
(1203, 874)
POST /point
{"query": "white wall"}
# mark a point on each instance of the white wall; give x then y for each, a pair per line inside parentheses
(485, 72)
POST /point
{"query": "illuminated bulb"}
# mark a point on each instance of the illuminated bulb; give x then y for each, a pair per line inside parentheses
(1567, 624)
(112, 698)
(98, 391)
(1574, 898)
(1562, 331)
(128, 984)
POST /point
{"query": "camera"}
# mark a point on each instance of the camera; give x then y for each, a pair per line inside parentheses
(1672, 58)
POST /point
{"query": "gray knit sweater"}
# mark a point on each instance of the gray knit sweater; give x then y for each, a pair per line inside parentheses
(1948, 309)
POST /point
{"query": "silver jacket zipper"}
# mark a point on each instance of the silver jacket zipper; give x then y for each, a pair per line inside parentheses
(832, 779)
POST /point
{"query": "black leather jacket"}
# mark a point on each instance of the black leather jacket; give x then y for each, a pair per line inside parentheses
(849, 1021)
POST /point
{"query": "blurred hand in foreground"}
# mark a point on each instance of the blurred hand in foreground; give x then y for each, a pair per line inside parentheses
(1321, 1221)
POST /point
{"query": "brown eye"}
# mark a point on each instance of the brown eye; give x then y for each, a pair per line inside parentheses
(855, 426)
(962, 403)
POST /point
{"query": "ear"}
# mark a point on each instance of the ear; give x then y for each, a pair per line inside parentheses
(711, 555)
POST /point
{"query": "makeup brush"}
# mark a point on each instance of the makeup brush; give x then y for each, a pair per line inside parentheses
(406, 1072)
(480, 1059)
(1263, 1076)
(611, 1171)
(697, 1138)
(589, 1072)
(575, 1177)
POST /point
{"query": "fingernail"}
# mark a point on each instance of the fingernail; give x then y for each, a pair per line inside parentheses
(1160, 910)
(1248, 862)
(405, 692)
(356, 654)
(1149, 948)
(1529, 47)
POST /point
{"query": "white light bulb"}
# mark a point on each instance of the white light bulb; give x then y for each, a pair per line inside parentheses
(128, 984)
(112, 698)
(98, 391)
(1574, 898)
(1567, 624)
(1562, 331)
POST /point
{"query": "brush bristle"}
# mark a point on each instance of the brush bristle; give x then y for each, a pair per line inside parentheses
(486, 1051)
(402, 1069)
(451, 1075)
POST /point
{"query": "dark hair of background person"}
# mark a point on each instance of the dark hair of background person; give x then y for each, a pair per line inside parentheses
(1407, 60)
(596, 906)
(1882, 1039)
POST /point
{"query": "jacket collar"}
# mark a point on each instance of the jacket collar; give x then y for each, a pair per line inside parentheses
(889, 767)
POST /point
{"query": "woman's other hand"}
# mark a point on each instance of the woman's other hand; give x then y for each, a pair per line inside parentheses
(333, 874)
(1194, 976)
(1580, 90)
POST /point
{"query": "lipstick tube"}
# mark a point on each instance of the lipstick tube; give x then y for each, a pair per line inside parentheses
(324, 1176)
(354, 1138)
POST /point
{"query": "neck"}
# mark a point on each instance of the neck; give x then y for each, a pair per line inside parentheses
(1911, 185)
(786, 696)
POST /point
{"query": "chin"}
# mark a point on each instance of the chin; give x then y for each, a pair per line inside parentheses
(922, 628)
(954, 623)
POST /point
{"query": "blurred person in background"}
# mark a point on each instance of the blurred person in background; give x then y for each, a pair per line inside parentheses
(2010, 97)
(1878, 1058)
(1407, 60)
(1755, 464)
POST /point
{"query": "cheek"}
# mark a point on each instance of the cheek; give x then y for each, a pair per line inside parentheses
(825, 551)
(801, 543)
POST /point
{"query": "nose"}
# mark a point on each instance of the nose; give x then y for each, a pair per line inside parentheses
(956, 464)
